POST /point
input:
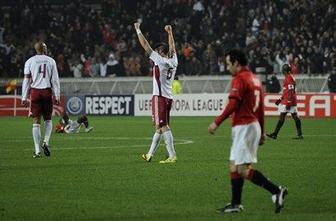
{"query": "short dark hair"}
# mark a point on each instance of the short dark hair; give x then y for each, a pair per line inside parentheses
(237, 55)
(162, 46)
(286, 68)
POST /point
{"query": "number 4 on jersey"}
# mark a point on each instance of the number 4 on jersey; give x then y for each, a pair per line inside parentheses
(43, 69)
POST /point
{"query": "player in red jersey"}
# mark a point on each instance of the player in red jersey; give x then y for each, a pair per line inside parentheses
(247, 110)
(287, 104)
(40, 81)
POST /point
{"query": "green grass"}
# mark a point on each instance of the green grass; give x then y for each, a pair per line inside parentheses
(100, 175)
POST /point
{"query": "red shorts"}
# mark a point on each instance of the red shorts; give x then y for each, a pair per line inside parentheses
(41, 103)
(161, 110)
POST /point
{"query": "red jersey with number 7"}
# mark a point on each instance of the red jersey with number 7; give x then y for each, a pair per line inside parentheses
(247, 89)
(289, 84)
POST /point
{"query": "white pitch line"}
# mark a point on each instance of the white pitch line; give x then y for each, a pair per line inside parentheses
(177, 142)
(185, 142)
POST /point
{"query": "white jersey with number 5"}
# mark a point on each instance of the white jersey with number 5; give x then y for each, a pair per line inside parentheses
(163, 74)
(43, 72)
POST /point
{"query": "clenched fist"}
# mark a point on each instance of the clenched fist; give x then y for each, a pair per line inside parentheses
(137, 25)
(168, 28)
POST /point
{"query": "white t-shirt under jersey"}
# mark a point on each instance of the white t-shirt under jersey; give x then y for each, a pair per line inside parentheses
(163, 74)
(43, 72)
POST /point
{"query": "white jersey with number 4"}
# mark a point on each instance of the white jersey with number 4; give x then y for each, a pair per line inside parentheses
(43, 72)
(163, 74)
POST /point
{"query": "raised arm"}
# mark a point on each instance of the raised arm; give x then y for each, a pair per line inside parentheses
(144, 43)
(171, 41)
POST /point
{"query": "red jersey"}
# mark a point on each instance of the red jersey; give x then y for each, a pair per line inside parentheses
(247, 89)
(289, 84)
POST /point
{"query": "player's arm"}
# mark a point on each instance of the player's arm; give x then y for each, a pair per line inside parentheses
(171, 41)
(261, 118)
(26, 85)
(143, 41)
(290, 95)
(55, 84)
(235, 96)
(229, 109)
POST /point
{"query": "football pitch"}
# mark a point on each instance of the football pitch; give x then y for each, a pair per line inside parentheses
(101, 176)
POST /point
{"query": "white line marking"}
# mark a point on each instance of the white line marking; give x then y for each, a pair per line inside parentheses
(177, 142)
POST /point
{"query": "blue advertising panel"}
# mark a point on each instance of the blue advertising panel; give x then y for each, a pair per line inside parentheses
(75, 105)
(109, 105)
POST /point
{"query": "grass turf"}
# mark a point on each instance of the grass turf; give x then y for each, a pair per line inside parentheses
(101, 176)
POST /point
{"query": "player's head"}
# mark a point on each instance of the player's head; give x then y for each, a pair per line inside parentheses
(162, 49)
(40, 47)
(235, 59)
(286, 69)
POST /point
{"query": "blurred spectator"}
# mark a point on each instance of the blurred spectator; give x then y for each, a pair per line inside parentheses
(177, 87)
(76, 68)
(332, 82)
(301, 33)
(112, 66)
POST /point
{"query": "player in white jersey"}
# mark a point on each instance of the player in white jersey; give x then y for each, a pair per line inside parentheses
(165, 64)
(40, 81)
(66, 125)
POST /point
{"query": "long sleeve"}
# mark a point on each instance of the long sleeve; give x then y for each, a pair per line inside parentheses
(25, 87)
(229, 109)
(55, 84)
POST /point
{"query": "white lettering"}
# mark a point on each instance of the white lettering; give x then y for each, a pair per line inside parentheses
(316, 103)
(95, 101)
(114, 109)
(88, 105)
(127, 100)
(108, 104)
(120, 108)
(102, 106)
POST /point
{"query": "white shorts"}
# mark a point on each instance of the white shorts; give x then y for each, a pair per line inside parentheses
(245, 143)
(282, 109)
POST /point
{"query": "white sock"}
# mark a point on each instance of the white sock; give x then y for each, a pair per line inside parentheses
(37, 137)
(155, 144)
(168, 137)
(47, 131)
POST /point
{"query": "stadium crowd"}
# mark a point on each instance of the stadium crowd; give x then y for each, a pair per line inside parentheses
(97, 38)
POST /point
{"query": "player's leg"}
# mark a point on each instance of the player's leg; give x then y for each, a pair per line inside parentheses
(47, 108)
(65, 118)
(35, 110)
(297, 125)
(237, 183)
(85, 121)
(258, 178)
(249, 144)
(36, 131)
(164, 115)
(155, 143)
(157, 135)
(280, 123)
